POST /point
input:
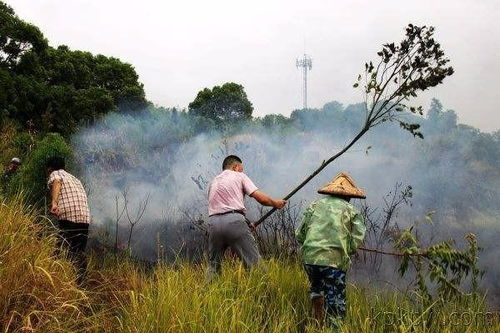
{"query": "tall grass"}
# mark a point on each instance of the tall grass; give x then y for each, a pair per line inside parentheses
(274, 299)
(37, 290)
(38, 293)
(266, 299)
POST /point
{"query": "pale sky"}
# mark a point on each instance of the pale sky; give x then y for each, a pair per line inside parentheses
(180, 47)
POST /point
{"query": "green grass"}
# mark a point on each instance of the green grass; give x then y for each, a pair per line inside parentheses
(38, 293)
(180, 300)
(274, 299)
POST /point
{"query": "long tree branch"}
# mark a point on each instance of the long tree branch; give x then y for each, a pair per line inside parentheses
(317, 171)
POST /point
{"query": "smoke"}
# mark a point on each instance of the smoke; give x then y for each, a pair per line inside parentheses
(167, 158)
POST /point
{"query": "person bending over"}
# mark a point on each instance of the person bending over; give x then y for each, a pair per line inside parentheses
(69, 203)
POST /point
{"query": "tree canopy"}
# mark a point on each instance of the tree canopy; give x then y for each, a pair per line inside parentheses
(228, 102)
(57, 89)
(17, 38)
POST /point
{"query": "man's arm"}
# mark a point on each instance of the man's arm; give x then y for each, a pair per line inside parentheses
(266, 200)
(55, 190)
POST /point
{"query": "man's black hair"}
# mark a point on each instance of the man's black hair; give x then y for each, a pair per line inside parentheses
(229, 161)
(55, 163)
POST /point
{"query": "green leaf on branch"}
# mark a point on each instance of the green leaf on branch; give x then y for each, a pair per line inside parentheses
(440, 265)
(403, 70)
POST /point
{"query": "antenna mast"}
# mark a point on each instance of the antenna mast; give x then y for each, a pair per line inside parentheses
(306, 64)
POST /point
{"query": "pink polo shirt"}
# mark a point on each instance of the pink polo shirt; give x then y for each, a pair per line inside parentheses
(227, 191)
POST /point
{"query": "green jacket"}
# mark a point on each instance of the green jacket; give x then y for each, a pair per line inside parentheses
(331, 230)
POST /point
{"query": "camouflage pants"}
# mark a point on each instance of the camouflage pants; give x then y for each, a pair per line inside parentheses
(328, 282)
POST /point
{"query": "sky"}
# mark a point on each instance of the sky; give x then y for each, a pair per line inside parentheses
(181, 47)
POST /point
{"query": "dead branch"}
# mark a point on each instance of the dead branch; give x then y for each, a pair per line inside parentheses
(137, 219)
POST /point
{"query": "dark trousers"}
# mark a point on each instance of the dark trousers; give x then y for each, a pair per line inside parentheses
(73, 237)
(328, 282)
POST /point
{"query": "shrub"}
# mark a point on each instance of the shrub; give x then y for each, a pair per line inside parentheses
(32, 177)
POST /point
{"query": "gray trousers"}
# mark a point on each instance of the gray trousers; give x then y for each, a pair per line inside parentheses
(230, 230)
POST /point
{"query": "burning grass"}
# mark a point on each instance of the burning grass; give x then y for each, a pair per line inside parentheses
(38, 293)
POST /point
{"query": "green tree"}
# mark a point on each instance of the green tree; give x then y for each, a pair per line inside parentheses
(228, 102)
(17, 37)
(57, 89)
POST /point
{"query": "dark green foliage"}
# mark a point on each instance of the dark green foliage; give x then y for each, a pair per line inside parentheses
(23, 142)
(226, 103)
(56, 89)
(134, 142)
(17, 38)
(32, 177)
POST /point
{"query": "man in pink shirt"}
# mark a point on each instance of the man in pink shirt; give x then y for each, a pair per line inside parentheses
(227, 226)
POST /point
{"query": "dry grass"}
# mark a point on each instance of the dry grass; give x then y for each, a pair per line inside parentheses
(37, 290)
(38, 293)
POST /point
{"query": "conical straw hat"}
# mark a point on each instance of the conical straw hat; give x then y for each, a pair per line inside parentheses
(343, 185)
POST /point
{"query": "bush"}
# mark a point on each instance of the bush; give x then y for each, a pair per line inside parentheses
(23, 143)
(32, 177)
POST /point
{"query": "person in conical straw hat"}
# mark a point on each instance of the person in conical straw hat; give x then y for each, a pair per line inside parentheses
(331, 231)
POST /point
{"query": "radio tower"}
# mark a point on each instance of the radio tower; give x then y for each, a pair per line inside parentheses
(306, 64)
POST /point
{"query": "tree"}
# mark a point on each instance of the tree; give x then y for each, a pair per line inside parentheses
(228, 102)
(17, 37)
(403, 70)
(48, 89)
(274, 120)
(435, 110)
